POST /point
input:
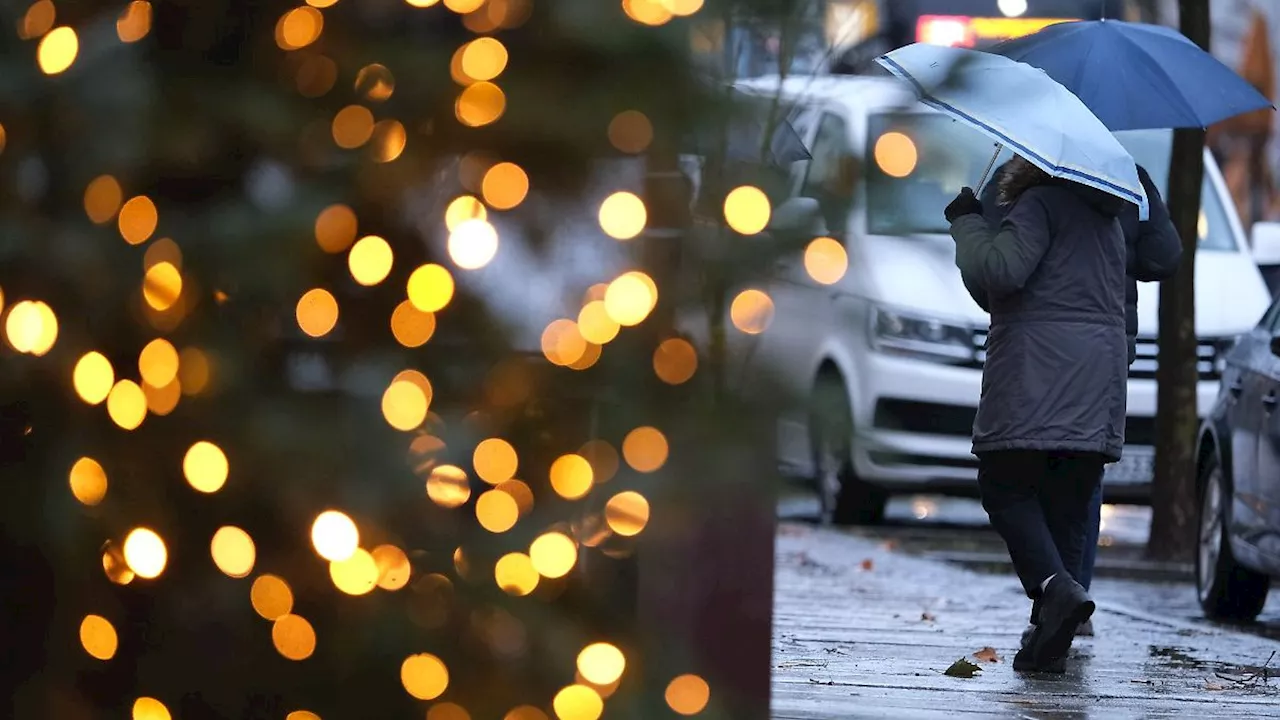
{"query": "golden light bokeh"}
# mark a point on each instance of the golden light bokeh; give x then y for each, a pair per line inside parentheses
(553, 554)
(688, 694)
(483, 59)
(495, 460)
(747, 209)
(335, 228)
(825, 260)
(577, 702)
(205, 467)
(472, 244)
(627, 513)
(647, 12)
(370, 260)
(161, 286)
(389, 140)
(38, 20)
(134, 22)
(352, 127)
(127, 405)
(504, 186)
(138, 220)
(682, 8)
(571, 476)
(462, 209)
(595, 325)
(93, 377)
(421, 3)
(675, 361)
(57, 50)
(162, 401)
(515, 574)
(302, 715)
(374, 82)
(590, 354)
(562, 343)
(88, 481)
(464, 7)
(418, 379)
(316, 76)
(102, 198)
(271, 597)
(430, 288)
(751, 311)
(299, 28)
(32, 327)
(520, 492)
(357, 575)
(404, 405)
(233, 551)
(496, 511)
(447, 486)
(393, 567)
(602, 458)
(148, 708)
(525, 712)
(630, 298)
(480, 104)
(158, 362)
(645, 449)
(114, 566)
(334, 536)
(293, 637)
(622, 215)
(145, 553)
(317, 312)
(630, 132)
(896, 154)
(194, 370)
(601, 663)
(424, 676)
(448, 711)
(411, 327)
(98, 637)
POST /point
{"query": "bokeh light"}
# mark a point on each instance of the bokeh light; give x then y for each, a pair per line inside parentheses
(688, 694)
(578, 702)
(161, 286)
(205, 467)
(430, 288)
(825, 260)
(127, 405)
(525, 712)
(504, 186)
(464, 208)
(302, 715)
(57, 50)
(370, 260)
(495, 460)
(374, 82)
(233, 551)
(602, 458)
(93, 377)
(149, 708)
(571, 476)
(299, 28)
(447, 486)
(424, 676)
(682, 8)
(138, 220)
(194, 370)
(675, 361)
(496, 511)
(595, 325)
(293, 637)
(88, 481)
(134, 22)
(411, 327)
(393, 567)
(483, 59)
(271, 597)
(418, 379)
(317, 312)
(357, 575)
(404, 405)
(352, 127)
(38, 19)
(102, 198)
(896, 154)
(334, 536)
(645, 449)
(114, 565)
(162, 401)
(601, 663)
(335, 228)
(631, 132)
(627, 513)
(32, 327)
(590, 354)
(553, 554)
(316, 75)
(480, 104)
(630, 298)
(747, 210)
(389, 140)
(562, 343)
(622, 215)
(472, 244)
(515, 574)
(520, 492)
(751, 311)
(158, 362)
(145, 553)
(98, 637)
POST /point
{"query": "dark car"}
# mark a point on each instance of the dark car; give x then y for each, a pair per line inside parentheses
(1238, 478)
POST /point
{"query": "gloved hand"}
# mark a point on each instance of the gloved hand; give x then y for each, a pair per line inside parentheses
(966, 203)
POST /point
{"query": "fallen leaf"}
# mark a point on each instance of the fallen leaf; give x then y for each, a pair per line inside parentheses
(1210, 685)
(868, 564)
(987, 654)
(927, 617)
(962, 668)
(889, 545)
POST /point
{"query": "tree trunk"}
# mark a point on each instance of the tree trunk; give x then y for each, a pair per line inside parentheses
(1174, 493)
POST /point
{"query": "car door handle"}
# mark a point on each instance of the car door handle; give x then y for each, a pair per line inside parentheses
(1269, 400)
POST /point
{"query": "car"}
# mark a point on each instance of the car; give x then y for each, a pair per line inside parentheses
(1238, 478)
(886, 363)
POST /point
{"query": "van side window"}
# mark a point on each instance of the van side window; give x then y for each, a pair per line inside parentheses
(832, 172)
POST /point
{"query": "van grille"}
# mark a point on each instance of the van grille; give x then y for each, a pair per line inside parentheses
(1144, 363)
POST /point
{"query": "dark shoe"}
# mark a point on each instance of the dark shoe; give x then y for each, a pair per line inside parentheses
(1085, 629)
(1065, 605)
(1026, 635)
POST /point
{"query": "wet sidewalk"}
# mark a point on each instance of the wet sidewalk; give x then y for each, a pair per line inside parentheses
(865, 631)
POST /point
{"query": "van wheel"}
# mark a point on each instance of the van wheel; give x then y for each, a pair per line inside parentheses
(1227, 589)
(845, 499)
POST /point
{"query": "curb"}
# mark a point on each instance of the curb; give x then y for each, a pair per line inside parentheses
(1148, 571)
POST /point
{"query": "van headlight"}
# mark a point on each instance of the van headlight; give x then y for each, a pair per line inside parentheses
(920, 337)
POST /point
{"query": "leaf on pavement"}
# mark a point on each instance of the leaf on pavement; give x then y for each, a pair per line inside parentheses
(987, 654)
(868, 564)
(1211, 685)
(927, 617)
(889, 544)
(962, 668)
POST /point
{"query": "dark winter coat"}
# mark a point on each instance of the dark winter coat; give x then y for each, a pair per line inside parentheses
(1152, 248)
(1053, 276)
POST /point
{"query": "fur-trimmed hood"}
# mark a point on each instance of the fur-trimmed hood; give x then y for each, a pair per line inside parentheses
(1018, 175)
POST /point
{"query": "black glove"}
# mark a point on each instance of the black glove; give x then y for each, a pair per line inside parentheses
(966, 203)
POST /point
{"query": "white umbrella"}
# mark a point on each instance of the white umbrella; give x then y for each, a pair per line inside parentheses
(1020, 106)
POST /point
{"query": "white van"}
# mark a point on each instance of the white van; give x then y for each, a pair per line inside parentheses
(891, 356)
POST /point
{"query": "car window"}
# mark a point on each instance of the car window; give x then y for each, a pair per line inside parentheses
(1152, 149)
(832, 174)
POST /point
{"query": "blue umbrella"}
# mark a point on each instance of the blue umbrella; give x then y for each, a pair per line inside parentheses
(1135, 76)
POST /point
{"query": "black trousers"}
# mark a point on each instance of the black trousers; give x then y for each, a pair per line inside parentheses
(1039, 503)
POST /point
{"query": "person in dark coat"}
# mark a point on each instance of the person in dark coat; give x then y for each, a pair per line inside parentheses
(1052, 408)
(1152, 253)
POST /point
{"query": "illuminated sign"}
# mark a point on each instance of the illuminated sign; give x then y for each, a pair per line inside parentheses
(963, 31)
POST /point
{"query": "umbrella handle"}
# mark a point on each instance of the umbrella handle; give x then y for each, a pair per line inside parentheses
(983, 180)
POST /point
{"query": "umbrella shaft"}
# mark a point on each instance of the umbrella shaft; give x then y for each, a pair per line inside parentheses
(990, 164)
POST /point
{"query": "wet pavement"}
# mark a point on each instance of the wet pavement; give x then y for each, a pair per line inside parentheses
(866, 629)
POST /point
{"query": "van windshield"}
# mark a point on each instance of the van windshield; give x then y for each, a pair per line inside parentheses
(917, 162)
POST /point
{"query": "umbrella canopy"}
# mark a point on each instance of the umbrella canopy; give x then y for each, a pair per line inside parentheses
(1021, 107)
(1135, 76)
